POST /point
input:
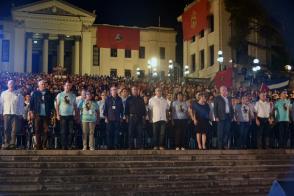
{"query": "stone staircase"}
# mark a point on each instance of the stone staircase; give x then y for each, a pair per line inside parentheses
(143, 172)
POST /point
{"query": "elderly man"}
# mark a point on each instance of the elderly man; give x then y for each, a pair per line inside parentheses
(41, 107)
(223, 112)
(11, 103)
(159, 108)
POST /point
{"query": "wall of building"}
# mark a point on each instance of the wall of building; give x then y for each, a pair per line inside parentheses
(150, 38)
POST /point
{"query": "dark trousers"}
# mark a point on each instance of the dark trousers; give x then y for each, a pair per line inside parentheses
(112, 134)
(283, 133)
(124, 134)
(41, 124)
(243, 134)
(67, 131)
(9, 123)
(180, 132)
(159, 133)
(101, 138)
(263, 130)
(135, 131)
(223, 132)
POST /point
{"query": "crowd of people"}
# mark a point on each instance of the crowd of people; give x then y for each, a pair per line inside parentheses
(47, 111)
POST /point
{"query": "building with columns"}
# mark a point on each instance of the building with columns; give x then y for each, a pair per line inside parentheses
(200, 51)
(49, 33)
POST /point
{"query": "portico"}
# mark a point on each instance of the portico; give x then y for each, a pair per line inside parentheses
(49, 34)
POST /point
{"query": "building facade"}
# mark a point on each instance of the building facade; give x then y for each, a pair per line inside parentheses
(201, 51)
(53, 33)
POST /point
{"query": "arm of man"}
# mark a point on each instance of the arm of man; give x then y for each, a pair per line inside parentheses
(57, 107)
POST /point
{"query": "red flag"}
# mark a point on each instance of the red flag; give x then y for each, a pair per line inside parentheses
(224, 78)
(118, 37)
(263, 88)
(195, 19)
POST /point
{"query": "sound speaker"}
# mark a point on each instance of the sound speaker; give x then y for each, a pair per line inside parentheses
(282, 188)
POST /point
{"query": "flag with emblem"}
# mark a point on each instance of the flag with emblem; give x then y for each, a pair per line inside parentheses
(118, 37)
(224, 78)
(195, 18)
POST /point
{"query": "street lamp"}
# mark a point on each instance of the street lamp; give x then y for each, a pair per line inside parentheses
(288, 67)
(170, 68)
(186, 70)
(220, 59)
(138, 71)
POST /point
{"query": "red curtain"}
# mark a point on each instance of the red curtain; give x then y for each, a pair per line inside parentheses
(118, 37)
(195, 19)
(224, 78)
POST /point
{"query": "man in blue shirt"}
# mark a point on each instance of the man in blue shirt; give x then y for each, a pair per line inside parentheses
(282, 112)
(41, 107)
(113, 113)
(66, 108)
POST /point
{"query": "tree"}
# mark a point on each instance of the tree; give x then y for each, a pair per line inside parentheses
(249, 16)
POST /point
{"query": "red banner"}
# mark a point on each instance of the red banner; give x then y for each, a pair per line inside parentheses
(118, 37)
(224, 78)
(195, 19)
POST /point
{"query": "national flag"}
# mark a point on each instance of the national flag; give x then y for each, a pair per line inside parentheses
(277, 83)
(118, 37)
(224, 78)
(195, 19)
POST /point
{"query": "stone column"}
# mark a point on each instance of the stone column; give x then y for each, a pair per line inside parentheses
(18, 60)
(2, 69)
(77, 55)
(45, 53)
(29, 62)
(86, 52)
(61, 51)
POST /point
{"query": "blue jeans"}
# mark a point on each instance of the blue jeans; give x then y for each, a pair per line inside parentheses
(67, 131)
(223, 132)
(243, 134)
(112, 134)
(159, 133)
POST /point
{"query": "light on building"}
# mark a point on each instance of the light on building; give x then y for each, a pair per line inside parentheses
(138, 69)
(220, 52)
(67, 36)
(154, 74)
(35, 41)
(149, 66)
(256, 61)
(288, 67)
(256, 68)
(168, 75)
(231, 61)
(220, 59)
(170, 61)
(153, 62)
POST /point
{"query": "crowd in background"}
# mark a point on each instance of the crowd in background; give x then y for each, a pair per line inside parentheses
(46, 111)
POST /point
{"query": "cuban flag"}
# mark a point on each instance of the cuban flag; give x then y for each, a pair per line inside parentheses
(277, 83)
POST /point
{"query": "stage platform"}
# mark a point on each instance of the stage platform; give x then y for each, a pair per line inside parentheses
(143, 172)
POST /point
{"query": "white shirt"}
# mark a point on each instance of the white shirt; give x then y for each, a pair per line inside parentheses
(227, 104)
(11, 103)
(263, 109)
(158, 107)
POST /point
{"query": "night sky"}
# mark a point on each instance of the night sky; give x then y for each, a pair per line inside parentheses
(146, 13)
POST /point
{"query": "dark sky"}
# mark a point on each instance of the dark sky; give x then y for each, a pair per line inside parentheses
(146, 12)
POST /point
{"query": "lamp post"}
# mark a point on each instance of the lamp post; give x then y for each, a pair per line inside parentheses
(186, 71)
(170, 68)
(220, 59)
(288, 68)
(138, 72)
(256, 67)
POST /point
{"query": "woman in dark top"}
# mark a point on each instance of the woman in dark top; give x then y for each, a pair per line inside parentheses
(201, 120)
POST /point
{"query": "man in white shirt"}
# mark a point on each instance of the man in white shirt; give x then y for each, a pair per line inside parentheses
(11, 103)
(159, 108)
(263, 110)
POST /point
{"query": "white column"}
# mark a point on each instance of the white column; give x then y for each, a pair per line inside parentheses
(19, 50)
(29, 52)
(86, 52)
(77, 56)
(1, 67)
(61, 51)
(45, 53)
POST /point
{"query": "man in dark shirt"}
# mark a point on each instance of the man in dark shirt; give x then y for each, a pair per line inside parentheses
(135, 111)
(113, 113)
